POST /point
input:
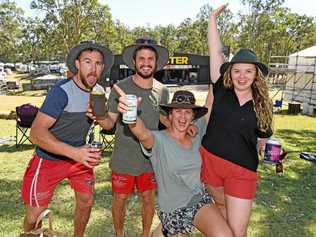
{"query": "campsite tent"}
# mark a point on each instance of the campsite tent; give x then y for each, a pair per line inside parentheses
(301, 86)
(304, 60)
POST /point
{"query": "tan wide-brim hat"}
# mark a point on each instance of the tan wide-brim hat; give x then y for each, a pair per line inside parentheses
(128, 52)
(108, 58)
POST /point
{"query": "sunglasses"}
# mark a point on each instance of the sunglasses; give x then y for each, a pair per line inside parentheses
(88, 42)
(145, 41)
(184, 99)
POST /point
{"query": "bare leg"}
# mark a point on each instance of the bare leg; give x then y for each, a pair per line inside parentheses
(84, 202)
(148, 210)
(118, 212)
(218, 194)
(178, 235)
(238, 214)
(31, 216)
(210, 222)
(157, 232)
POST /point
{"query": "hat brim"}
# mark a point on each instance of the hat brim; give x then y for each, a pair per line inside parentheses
(108, 57)
(199, 111)
(263, 68)
(128, 52)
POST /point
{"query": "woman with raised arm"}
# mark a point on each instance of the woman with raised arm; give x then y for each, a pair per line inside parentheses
(182, 201)
(241, 113)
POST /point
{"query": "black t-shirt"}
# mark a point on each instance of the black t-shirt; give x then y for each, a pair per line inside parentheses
(232, 130)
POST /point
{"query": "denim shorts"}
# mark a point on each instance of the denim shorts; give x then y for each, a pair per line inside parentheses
(181, 219)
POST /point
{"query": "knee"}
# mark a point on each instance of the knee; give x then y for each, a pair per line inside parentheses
(120, 197)
(147, 198)
(31, 218)
(239, 231)
(220, 204)
(85, 201)
(222, 233)
(32, 214)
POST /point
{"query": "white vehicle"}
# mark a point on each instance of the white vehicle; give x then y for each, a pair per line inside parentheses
(54, 68)
(20, 67)
(2, 73)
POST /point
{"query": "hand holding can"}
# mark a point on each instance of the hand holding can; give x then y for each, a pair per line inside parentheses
(127, 105)
(130, 115)
(272, 151)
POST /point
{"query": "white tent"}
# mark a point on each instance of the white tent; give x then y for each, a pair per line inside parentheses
(309, 52)
(301, 87)
(304, 60)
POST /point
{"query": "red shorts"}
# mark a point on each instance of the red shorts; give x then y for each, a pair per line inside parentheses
(125, 183)
(237, 181)
(42, 176)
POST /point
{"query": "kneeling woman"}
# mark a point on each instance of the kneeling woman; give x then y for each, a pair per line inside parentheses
(175, 157)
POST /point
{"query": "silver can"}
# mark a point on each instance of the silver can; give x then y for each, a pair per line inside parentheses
(130, 115)
(96, 144)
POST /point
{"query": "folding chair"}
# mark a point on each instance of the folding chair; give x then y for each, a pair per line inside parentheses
(107, 138)
(25, 114)
(278, 105)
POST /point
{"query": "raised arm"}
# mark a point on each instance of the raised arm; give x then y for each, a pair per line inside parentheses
(214, 44)
(209, 102)
(144, 135)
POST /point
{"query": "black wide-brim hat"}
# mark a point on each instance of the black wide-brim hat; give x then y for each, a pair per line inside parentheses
(108, 58)
(128, 52)
(185, 100)
(245, 56)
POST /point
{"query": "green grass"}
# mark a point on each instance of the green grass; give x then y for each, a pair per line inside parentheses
(9, 102)
(17, 97)
(285, 205)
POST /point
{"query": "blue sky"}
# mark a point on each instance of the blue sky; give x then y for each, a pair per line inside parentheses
(163, 12)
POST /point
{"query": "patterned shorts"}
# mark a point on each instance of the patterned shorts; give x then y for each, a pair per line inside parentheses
(181, 219)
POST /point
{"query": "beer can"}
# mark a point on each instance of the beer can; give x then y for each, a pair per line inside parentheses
(130, 115)
(272, 151)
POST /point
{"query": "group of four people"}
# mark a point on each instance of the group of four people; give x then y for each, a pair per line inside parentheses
(203, 164)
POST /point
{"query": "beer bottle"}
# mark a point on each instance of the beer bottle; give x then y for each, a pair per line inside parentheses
(279, 168)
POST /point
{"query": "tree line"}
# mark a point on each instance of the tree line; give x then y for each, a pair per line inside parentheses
(267, 27)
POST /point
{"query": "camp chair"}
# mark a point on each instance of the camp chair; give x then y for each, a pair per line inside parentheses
(278, 105)
(25, 114)
(107, 138)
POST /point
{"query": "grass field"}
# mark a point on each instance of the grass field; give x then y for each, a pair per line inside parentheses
(19, 97)
(285, 205)
(8, 103)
